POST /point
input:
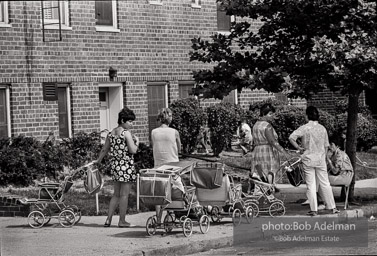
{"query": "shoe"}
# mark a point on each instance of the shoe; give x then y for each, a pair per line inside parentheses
(312, 213)
(321, 207)
(124, 225)
(107, 224)
(334, 211)
(305, 203)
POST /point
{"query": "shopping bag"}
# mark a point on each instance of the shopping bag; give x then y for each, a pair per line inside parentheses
(207, 175)
(155, 188)
(93, 181)
(296, 175)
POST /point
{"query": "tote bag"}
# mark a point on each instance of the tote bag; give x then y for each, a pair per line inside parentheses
(155, 188)
(93, 181)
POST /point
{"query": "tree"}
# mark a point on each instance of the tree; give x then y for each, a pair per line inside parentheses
(300, 48)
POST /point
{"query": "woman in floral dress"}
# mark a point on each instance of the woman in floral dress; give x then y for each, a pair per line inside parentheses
(121, 146)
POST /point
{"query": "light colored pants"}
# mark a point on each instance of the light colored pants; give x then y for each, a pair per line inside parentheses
(316, 178)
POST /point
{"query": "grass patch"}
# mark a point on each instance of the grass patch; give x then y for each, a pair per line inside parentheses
(79, 197)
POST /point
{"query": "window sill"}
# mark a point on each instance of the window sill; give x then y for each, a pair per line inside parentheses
(155, 2)
(196, 6)
(225, 33)
(56, 27)
(107, 29)
(5, 25)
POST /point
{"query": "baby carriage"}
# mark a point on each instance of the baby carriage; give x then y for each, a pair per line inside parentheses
(50, 203)
(182, 208)
(263, 200)
(219, 194)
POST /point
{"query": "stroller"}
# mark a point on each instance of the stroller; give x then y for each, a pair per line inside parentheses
(50, 203)
(219, 194)
(263, 200)
(182, 209)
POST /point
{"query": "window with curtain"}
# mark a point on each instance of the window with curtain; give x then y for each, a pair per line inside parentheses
(185, 88)
(157, 99)
(106, 16)
(223, 20)
(3, 114)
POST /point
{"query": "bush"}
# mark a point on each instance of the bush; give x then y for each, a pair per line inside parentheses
(143, 158)
(188, 117)
(81, 149)
(223, 119)
(21, 161)
(288, 118)
(366, 130)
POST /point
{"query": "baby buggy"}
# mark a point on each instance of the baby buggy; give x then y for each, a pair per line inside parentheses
(182, 209)
(50, 203)
(262, 199)
(219, 194)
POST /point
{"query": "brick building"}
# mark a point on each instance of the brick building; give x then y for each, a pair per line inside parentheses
(105, 55)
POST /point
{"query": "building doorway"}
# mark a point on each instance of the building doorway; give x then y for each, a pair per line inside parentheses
(111, 102)
(370, 101)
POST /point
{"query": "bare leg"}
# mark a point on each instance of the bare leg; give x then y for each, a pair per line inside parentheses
(123, 202)
(113, 202)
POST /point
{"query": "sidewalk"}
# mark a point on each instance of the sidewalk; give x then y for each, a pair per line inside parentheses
(89, 237)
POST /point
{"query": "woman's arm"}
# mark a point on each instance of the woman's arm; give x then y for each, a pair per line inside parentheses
(104, 150)
(273, 142)
(132, 146)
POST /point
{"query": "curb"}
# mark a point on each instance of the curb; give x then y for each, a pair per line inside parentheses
(185, 249)
(207, 245)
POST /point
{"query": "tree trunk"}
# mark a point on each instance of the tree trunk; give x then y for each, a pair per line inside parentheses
(351, 136)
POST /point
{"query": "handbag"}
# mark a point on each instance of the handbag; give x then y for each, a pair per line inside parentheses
(93, 182)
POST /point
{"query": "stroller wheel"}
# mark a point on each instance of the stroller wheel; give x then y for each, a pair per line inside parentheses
(236, 217)
(168, 223)
(187, 227)
(76, 211)
(253, 205)
(204, 224)
(276, 209)
(67, 218)
(36, 219)
(249, 214)
(151, 225)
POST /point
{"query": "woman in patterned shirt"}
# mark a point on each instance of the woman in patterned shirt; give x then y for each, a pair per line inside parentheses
(121, 146)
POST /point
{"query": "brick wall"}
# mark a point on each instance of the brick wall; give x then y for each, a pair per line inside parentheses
(152, 45)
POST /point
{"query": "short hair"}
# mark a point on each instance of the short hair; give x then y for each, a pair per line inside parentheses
(125, 115)
(266, 108)
(312, 113)
(165, 116)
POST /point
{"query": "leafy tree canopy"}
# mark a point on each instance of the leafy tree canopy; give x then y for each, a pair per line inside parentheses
(300, 48)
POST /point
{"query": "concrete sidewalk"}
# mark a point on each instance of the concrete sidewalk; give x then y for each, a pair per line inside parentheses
(89, 237)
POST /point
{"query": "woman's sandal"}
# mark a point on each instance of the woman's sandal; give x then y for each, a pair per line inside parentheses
(107, 224)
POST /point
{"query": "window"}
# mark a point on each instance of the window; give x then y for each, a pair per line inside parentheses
(157, 99)
(281, 97)
(60, 93)
(196, 3)
(223, 20)
(185, 88)
(156, 2)
(51, 14)
(231, 97)
(106, 16)
(4, 21)
(4, 111)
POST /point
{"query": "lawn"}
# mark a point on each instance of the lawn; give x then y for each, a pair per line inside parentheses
(366, 169)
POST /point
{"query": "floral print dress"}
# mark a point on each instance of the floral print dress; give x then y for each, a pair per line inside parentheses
(121, 160)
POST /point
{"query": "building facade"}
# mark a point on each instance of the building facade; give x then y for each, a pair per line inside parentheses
(70, 66)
